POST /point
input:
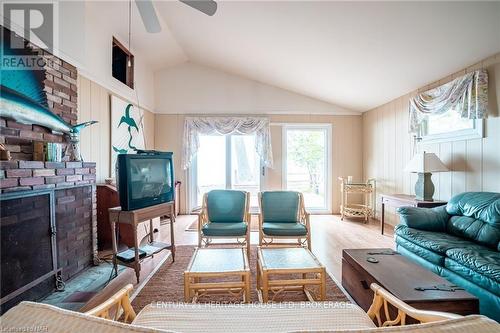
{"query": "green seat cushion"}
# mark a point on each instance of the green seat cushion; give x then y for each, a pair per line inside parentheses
(437, 242)
(283, 229)
(225, 229)
(482, 261)
(434, 258)
(226, 205)
(473, 277)
(280, 206)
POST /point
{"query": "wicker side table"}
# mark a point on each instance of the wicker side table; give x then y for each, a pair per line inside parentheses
(367, 208)
(217, 263)
(280, 264)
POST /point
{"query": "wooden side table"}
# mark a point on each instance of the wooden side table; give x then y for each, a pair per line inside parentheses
(134, 218)
(400, 200)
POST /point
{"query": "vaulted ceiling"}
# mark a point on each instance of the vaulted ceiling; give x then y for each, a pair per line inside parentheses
(357, 55)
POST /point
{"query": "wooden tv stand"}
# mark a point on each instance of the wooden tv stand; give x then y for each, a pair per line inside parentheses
(135, 218)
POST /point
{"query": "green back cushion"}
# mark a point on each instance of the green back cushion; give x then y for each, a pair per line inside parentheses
(226, 206)
(433, 219)
(475, 216)
(280, 206)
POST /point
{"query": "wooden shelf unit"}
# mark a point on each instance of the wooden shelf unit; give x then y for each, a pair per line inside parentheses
(134, 218)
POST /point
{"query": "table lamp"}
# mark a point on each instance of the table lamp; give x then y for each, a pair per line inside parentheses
(423, 164)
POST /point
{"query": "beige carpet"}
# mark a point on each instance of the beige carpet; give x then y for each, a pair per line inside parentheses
(167, 284)
(254, 224)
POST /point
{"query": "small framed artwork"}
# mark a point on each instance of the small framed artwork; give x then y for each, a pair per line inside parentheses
(127, 129)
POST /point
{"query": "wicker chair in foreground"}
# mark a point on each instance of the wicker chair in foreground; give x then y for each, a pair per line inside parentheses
(283, 216)
(225, 215)
(118, 306)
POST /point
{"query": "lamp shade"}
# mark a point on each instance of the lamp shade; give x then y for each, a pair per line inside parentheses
(425, 162)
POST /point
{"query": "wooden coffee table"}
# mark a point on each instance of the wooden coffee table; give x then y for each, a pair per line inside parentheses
(400, 276)
(229, 265)
(300, 267)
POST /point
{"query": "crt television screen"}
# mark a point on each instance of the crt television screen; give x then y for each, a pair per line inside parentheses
(149, 177)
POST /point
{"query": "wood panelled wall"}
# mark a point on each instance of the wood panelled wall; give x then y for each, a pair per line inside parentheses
(346, 148)
(474, 164)
(94, 103)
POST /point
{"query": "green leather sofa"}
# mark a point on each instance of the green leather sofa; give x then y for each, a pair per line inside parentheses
(460, 242)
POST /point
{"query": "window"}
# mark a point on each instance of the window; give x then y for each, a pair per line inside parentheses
(122, 64)
(307, 164)
(225, 162)
(450, 126)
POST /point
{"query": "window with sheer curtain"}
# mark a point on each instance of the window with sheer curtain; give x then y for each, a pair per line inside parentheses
(454, 110)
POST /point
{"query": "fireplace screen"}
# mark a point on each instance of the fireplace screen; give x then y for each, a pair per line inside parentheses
(27, 247)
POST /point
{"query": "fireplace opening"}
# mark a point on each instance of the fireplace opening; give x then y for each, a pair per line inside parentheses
(47, 238)
(28, 247)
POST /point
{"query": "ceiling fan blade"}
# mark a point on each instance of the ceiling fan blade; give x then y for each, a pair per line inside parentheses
(208, 7)
(148, 15)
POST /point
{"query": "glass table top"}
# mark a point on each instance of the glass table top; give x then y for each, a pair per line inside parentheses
(218, 260)
(288, 258)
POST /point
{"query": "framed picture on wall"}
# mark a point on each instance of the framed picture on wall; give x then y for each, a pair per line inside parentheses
(127, 129)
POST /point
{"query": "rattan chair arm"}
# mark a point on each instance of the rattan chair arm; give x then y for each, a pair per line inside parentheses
(120, 303)
(382, 298)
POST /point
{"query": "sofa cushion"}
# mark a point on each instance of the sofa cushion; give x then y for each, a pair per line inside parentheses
(225, 229)
(263, 318)
(226, 205)
(284, 229)
(430, 219)
(437, 242)
(482, 261)
(475, 216)
(39, 317)
(430, 256)
(280, 206)
(472, 277)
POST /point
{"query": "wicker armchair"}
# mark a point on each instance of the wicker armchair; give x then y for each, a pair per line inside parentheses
(283, 216)
(225, 214)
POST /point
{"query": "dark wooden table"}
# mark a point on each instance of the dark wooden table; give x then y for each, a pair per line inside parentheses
(134, 218)
(400, 200)
(400, 276)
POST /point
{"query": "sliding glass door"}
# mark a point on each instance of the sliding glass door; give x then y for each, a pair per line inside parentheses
(306, 165)
(225, 162)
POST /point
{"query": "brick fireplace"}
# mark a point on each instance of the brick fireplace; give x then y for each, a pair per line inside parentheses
(47, 205)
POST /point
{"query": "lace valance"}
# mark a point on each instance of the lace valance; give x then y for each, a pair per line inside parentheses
(194, 126)
(467, 95)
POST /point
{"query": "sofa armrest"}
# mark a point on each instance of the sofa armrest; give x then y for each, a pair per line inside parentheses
(429, 219)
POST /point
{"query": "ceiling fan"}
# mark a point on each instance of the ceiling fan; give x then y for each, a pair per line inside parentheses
(150, 19)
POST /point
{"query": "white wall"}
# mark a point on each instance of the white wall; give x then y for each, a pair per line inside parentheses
(191, 88)
(100, 29)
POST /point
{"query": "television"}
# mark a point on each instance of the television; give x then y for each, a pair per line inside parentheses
(145, 179)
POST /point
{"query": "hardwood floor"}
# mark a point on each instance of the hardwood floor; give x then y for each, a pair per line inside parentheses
(330, 236)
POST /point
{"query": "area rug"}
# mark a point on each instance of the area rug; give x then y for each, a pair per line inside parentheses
(254, 224)
(167, 284)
